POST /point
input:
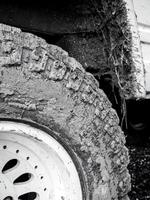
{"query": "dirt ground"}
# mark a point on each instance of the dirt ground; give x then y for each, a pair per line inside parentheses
(139, 168)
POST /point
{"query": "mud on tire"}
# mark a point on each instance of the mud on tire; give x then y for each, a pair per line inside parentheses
(39, 82)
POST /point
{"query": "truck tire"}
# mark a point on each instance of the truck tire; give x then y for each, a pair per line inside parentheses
(40, 83)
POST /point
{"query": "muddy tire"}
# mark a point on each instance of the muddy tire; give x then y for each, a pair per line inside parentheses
(40, 83)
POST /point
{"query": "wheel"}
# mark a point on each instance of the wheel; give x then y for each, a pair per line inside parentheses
(40, 84)
(34, 165)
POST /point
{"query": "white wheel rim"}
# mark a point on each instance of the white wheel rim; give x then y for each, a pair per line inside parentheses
(33, 165)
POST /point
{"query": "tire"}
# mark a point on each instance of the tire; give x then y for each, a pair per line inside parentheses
(40, 83)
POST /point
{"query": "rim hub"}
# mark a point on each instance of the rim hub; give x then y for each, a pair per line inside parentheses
(34, 165)
(6, 188)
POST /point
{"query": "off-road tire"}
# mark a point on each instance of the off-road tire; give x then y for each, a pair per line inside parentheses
(39, 82)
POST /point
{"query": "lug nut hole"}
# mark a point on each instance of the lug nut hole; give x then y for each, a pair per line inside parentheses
(8, 198)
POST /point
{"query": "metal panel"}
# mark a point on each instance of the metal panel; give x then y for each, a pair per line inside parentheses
(142, 9)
